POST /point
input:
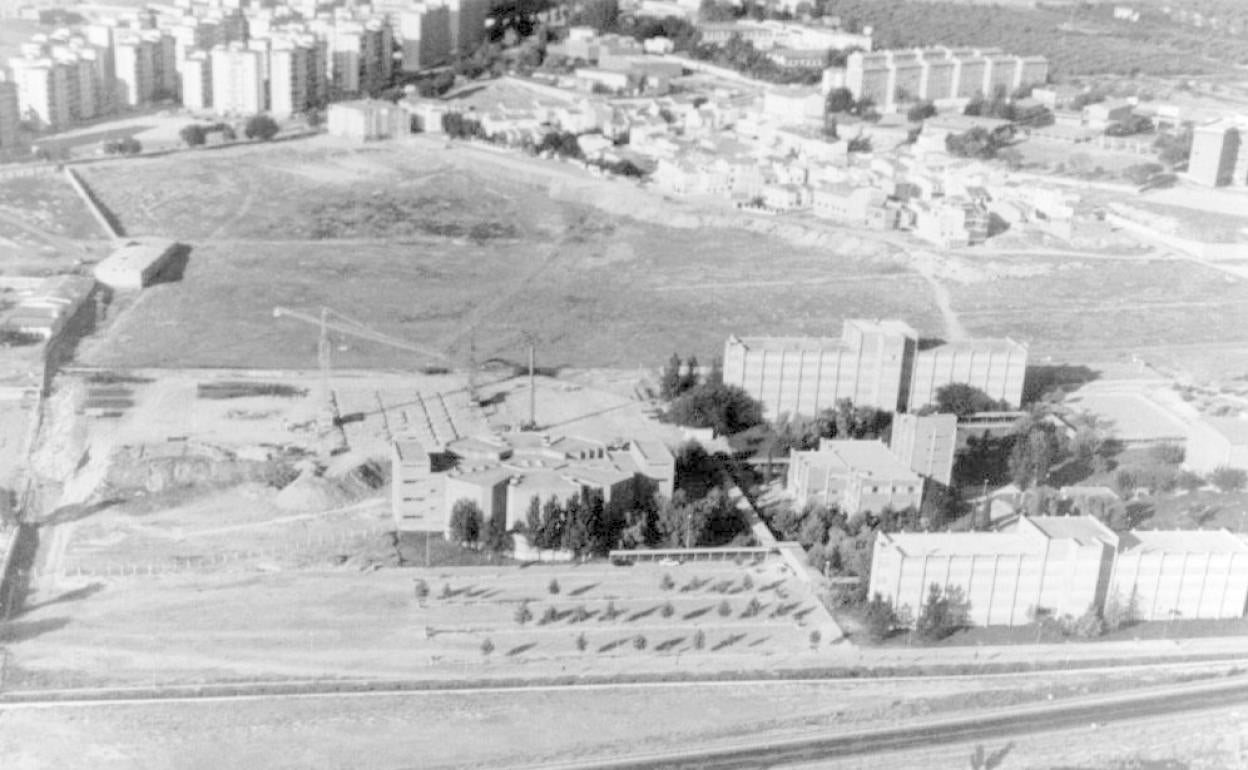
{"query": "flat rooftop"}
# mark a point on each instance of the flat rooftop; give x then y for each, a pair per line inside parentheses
(870, 457)
(1081, 528)
(1183, 541)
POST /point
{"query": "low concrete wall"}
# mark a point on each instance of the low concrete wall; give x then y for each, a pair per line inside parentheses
(93, 205)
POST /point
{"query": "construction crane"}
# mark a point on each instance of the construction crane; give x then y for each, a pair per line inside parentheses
(333, 320)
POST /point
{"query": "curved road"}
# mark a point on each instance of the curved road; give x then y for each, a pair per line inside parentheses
(978, 727)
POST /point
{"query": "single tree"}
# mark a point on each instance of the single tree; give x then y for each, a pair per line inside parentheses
(815, 638)
(670, 381)
(879, 619)
(581, 643)
(580, 614)
(725, 609)
(639, 642)
(747, 583)
(523, 613)
(699, 639)
(610, 613)
(260, 127)
(551, 615)
(466, 522)
(667, 610)
(497, 538)
(553, 586)
(446, 590)
(667, 583)
(422, 590)
(487, 647)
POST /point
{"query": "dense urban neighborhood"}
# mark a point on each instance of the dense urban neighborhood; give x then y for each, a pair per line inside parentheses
(734, 383)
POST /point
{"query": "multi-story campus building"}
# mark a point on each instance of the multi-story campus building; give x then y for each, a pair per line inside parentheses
(1219, 155)
(502, 474)
(926, 444)
(888, 77)
(873, 363)
(855, 476)
(1063, 566)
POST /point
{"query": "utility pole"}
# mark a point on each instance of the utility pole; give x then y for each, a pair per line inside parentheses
(532, 386)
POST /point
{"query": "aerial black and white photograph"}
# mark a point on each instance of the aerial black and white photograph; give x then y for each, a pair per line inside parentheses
(623, 384)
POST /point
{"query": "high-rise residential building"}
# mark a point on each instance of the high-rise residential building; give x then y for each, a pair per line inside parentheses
(467, 23)
(10, 115)
(197, 80)
(101, 37)
(425, 32)
(134, 71)
(43, 91)
(874, 363)
(1218, 156)
(164, 64)
(289, 68)
(237, 82)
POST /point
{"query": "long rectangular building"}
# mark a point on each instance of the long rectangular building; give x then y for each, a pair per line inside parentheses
(1064, 566)
(873, 363)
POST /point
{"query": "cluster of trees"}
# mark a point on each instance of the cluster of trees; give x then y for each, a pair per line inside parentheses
(126, 146)
(1132, 126)
(920, 112)
(944, 611)
(978, 143)
(456, 126)
(469, 527)
(583, 525)
(262, 127)
(726, 409)
(1174, 148)
(1004, 108)
(841, 101)
(678, 377)
(741, 56)
(196, 134)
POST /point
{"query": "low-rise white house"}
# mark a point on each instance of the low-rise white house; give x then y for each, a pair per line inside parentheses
(367, 120)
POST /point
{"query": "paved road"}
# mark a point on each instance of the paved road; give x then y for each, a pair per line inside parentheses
(978, 727)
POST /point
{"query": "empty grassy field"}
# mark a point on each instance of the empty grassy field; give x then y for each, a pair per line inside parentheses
(447, 249)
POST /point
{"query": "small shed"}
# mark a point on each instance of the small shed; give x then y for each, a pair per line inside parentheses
(135, 264)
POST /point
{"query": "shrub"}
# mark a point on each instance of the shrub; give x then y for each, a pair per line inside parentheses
(260, 127)
(549, 616)
(668, 610)
(944, 612)
(580, 615)
(1229, 479)
(1089, 625)
(752, 609)
(725, 609)
(446, 590)
(667, 583)
(879, 619)
(815, 638)
(581, 643)
(523, 613)
(487, 647)
(610, 613)
(699, 639)
(747, 583)
(639, 642)
(422, 590)
(553, 586)
(193, 135)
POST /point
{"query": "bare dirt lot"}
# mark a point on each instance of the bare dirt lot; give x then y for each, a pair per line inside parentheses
(270, 623)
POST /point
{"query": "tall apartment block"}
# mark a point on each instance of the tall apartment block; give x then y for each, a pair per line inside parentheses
(888, 77)
(237, 80)
(425, 35)
(294, 81)
(134, 69)
(43, 91)
(196, 77)
(1219, 157)
(874, 363)
(467, 23)
(10, 115)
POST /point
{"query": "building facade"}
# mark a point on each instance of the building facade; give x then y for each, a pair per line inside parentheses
(237, 81)
(855, 476)
(874, 363)
(926, 444)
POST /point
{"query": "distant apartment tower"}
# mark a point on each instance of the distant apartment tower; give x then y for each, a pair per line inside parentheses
(237, 81)
(10, 115)
(43, 91)
(101, 37)
(873, 363)
(805, 375)
(926, 444)
(467, 23)
(425, 32)
(134, 70)
(197, 81)
(1218, 156)
(288, 80)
